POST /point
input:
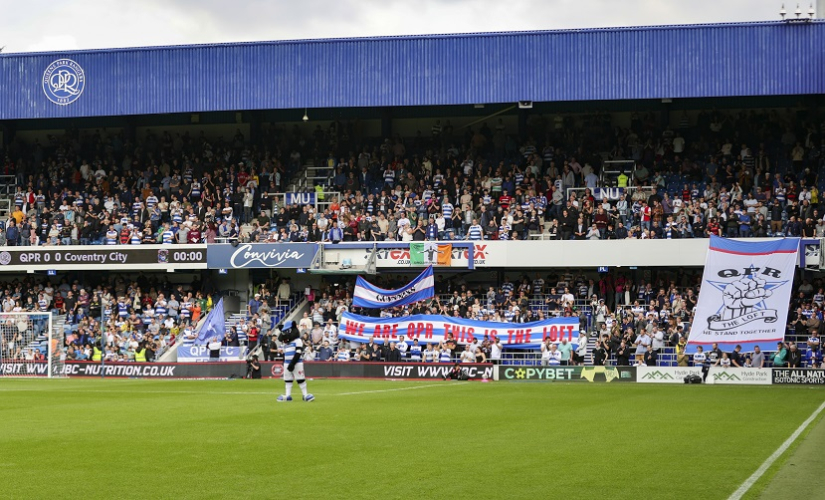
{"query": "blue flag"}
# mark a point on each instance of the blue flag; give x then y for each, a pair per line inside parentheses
(213, 326)
(369, 295)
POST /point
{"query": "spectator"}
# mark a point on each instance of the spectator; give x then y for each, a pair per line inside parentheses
(794, 356)
(758, 359)
(565, 349)
(724, 361)
(325, 353)
(650, 356)
(393, 354)
(779, 358)
(642, 343)
(736, 359)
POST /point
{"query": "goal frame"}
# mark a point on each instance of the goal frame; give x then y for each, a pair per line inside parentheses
(51, 337)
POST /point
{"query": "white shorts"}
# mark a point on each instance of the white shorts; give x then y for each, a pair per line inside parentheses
(297, 374)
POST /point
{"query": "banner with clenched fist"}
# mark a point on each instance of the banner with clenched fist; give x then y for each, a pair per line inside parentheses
(746, 290)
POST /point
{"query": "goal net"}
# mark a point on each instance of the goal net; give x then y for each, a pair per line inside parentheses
(30, 346)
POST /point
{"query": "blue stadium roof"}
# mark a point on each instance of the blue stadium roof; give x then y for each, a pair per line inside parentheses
(719, 60)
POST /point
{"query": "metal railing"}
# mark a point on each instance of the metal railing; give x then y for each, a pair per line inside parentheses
(8, 184)
(5, 207)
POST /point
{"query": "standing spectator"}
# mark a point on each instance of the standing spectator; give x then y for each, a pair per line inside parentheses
(402, 347)
(779, 357)
(650, 356)
(12, 233)
(325, 352)
(658, 340)
(305, 324)
(284, 292)
(643, 341)
(794, 359)
(372, 351)
(214, 349)
(253, 305)
(393, 354)
(581, 351)
(600, 353)
(545, 352)
(623, 354)
(681, 356)
(736, 359)
(566, 350)
(758, 358)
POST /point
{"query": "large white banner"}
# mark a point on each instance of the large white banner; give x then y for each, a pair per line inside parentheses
(746, 290)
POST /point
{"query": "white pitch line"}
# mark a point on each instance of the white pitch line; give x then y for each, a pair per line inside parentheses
(126, 390)
(738, 494)
(228, 393)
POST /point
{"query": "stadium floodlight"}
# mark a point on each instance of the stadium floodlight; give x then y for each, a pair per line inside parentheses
(799, 19)
(306, 116)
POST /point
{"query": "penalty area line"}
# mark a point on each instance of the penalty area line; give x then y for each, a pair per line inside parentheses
(749, 482)
(375, 391)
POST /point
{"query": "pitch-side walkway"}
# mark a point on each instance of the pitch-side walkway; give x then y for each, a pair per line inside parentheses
(801, 476)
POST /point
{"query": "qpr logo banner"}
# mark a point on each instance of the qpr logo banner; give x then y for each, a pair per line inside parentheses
(746, 288)
(64, 81)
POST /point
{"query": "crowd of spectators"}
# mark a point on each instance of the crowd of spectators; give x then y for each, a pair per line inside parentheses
(748, 173)
(602, 303)
(628, 322)
(118, 320)
(101, 188)
(730, 174)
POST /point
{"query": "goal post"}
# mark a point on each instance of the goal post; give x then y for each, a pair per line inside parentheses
(31, 345)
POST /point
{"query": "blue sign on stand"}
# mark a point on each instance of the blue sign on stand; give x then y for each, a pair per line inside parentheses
(252, 255)
(189, 353)
(300, 198)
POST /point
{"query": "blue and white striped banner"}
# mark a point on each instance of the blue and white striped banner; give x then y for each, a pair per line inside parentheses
(370, 296)
(434, 329)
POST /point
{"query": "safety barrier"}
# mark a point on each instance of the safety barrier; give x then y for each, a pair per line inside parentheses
(662, 374)
(431, 371)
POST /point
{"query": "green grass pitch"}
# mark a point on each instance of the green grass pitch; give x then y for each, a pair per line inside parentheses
(381, 439)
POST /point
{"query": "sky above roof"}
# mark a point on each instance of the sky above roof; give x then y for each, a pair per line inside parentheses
(54, 25)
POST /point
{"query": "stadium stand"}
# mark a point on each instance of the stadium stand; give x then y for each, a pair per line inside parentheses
(125, 315)
(610, 308)
(736, 174)
(749, 173)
